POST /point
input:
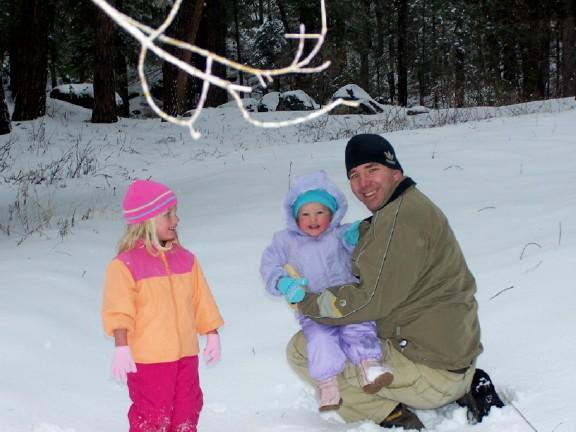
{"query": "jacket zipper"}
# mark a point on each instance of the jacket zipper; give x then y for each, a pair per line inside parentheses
(169, 274)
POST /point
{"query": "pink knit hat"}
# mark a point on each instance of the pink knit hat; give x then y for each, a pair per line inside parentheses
(146, 199)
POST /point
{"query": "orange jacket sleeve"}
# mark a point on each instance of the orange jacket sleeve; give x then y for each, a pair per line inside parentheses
(119, 302)
(207, 315)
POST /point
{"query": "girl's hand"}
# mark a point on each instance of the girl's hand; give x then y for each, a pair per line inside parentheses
(122, 363)
(212, 350)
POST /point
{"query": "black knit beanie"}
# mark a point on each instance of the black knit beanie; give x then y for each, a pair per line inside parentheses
(365, 148)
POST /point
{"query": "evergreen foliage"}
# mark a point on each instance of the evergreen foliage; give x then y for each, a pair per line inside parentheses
(437, 53)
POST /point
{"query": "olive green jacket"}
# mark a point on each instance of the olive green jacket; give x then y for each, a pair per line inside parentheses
(414, 282)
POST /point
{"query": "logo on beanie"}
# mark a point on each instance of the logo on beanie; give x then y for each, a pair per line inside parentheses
(389, 157)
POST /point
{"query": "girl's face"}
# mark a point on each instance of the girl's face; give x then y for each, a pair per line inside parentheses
(314, 218)
(166, 224)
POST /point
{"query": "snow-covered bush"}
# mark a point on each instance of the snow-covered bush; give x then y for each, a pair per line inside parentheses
(417, 109)
(250, 104)
(78, 94)
(269, 102)
(354, 92)
(296, 100)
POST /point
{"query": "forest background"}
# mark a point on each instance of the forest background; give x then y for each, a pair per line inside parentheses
(435, 53)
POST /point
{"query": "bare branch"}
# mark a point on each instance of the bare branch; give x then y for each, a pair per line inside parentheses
(486, 208)
(147, 37)
(500, 292)
(508, 400)
(526, 247)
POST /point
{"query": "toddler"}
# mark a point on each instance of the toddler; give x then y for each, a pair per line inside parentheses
(313, 245)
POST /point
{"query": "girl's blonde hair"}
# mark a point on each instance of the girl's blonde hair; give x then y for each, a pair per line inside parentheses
(145, 232)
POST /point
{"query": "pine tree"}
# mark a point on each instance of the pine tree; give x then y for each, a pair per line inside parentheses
(104, 110)
(32, 59)
(5, 125)
(175, 81)
(568, 69)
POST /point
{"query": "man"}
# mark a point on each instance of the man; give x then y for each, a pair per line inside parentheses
(414, 282)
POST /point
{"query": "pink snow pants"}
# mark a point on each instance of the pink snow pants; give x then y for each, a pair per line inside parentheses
(166, 397)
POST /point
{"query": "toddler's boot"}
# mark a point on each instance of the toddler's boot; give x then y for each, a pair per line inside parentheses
(374, 375)
(328, 395)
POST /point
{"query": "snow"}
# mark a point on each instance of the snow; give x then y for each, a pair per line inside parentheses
(269, 102)
(249, 103)
(417, 109)
(356, 93)
(300, 95)
(351, 91)
(505, 183)
(82, 90)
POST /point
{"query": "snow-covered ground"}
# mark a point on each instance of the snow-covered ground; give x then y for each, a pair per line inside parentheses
(507, 184)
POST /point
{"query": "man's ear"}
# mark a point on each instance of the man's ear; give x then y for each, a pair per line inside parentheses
(397, 175)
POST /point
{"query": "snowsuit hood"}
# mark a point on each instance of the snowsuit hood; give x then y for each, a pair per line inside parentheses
(315, 180)
(324, 260)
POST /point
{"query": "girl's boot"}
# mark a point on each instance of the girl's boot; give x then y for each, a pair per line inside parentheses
(374, 375)
(328, 394)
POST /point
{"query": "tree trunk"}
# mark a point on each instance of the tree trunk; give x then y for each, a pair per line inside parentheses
(5, 126)
(336, 49)
(52, 51)
(32, 60)
(104, 110)
(237, 39)
(459, 64)
(14, 46)
(393, 55)
(569, 49)
(214, 25)
(308, 15)
(402, 6)
(544, 63)
(380, 37)
(121, 70)
(422, 57)
(535, 51)
(261, 12)
(365, 45)
(283, 15)
(121, 79)
(175, 80)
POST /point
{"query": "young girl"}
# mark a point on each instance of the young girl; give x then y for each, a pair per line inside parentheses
(156, 302)
(313, 245)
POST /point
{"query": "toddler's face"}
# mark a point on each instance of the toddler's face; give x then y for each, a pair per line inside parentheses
(166, 224)
(314, 218)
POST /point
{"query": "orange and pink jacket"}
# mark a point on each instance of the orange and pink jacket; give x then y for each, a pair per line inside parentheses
(163, 301)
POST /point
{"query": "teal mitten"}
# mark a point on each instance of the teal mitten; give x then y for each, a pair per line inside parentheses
(292, 289)
(352, 233)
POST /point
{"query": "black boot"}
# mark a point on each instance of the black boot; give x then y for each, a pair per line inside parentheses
(402, 417)
(481, 397)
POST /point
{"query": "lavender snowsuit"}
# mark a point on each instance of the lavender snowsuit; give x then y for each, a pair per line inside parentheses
(325, 261)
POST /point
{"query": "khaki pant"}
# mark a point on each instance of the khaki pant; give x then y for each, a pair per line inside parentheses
(414, 385)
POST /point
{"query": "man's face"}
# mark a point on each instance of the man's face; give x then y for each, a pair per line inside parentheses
(374, 183)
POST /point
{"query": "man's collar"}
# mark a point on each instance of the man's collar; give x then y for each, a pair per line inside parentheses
(406, 183)
(400, 189)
